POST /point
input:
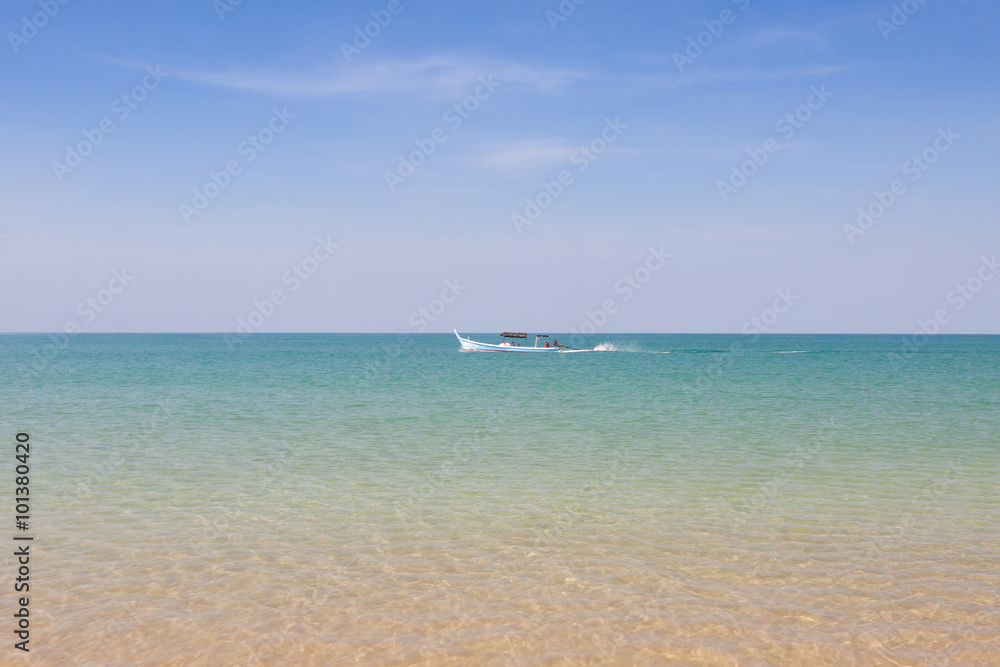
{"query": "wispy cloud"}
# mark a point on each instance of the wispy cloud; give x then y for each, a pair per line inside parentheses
(437, 74)
(751, 75)
(526, 154)
(781, 38)
(450, 76)
(700, 75)
(533, 155)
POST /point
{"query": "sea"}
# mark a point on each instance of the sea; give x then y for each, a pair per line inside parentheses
(389, 499)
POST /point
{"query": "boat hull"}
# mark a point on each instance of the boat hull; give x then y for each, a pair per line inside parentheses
(475, 346)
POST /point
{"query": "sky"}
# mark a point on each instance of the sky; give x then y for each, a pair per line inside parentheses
(419, 166)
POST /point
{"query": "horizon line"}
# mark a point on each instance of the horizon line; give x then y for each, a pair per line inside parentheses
(448, 333)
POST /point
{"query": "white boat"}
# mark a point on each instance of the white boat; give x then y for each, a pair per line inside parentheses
(509, 344)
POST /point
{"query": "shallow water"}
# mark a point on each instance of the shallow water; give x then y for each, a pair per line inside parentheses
(343, 499)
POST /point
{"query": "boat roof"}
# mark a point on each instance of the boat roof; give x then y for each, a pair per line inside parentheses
(513, 334)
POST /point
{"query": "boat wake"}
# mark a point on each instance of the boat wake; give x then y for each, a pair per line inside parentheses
(617, 347)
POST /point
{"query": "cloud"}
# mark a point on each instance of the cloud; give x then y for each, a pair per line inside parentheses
(527, 154)
(437, 74)
(451, 76)
(783, 38)
(752, 75)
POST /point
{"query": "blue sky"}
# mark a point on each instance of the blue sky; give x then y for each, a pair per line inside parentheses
(653, 149)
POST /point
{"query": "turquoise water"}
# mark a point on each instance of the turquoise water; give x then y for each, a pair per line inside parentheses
(669, 499)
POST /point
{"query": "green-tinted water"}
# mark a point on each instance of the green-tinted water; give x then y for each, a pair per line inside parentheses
(680, 499)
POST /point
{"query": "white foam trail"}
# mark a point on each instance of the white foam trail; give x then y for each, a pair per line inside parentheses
(614, 347)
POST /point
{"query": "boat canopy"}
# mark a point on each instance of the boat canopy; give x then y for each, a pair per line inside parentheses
(512, 334)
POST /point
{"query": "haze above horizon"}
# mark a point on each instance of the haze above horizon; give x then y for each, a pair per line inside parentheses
(398, 166)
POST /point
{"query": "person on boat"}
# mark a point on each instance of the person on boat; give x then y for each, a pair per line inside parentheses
(546, 343)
